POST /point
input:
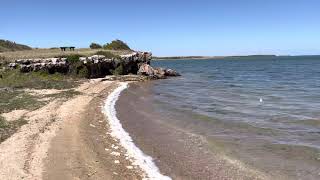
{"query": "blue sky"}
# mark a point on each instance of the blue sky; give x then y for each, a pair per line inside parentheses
(168, 27)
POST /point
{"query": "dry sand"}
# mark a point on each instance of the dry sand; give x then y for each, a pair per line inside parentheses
(66, 140)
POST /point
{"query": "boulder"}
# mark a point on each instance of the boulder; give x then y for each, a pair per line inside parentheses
(13, 65)
(23, 61)
(146, 70)
(36, 61)
(156, 73)
(25, 68)
(160, 73)
(54, 60)
(83, 59)
(170, 72)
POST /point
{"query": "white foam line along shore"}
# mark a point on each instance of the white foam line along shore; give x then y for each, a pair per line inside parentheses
(140, 159)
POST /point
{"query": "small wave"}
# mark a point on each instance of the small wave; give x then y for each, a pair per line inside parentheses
(142, 160)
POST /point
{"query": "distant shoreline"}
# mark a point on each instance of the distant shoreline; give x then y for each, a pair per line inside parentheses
(187, 57)
(229, 57)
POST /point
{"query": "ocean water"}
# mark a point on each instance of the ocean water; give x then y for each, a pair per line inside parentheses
(263, 111)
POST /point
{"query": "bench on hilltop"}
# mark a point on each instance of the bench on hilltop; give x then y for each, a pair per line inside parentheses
(71, 48)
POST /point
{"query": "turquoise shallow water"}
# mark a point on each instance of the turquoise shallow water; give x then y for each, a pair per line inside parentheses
(265, 108)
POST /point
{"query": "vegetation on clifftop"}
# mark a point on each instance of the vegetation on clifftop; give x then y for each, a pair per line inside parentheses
(107, 54)
(95, 46)
(12, 46)
(116, 45)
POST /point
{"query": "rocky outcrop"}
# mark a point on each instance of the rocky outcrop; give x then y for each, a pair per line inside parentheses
(170, 72)
(146, 70)
(156, 73)
(96, 66)
(51, 65)
(141, 56)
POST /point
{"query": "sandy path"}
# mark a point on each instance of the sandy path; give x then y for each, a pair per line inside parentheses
(83, 149)
(66, 137)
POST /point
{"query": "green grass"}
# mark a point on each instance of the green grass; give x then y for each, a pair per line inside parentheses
(108, 54)
(9, 101)
(36, 80)
(13, 99)
(12, 46)
(49, 53)
(64, 94)
(3, 123)
(17, 99)
(9, 128)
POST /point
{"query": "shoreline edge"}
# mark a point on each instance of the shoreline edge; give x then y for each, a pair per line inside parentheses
(140, 159)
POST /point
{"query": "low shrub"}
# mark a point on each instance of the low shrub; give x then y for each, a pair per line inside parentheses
(119, 70)
(73, 58)
(82, 71)
(107, 54)
(95, 46)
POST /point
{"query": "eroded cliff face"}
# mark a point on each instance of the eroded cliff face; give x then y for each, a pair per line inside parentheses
(96, 66)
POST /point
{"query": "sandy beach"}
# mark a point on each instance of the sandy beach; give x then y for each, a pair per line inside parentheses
(73, 139)
(67, 140)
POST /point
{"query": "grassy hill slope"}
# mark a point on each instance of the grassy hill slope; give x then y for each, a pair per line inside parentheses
(12, 46)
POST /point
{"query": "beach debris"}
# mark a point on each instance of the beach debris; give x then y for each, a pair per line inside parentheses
(92, 125)
(261, 100)
(114, 146)
(130, 167)
(116, 161)
(106, 149)
(115, 173)
(91, 174)
(115, 153)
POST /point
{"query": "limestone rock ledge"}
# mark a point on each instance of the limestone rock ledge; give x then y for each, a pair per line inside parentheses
(97, 66)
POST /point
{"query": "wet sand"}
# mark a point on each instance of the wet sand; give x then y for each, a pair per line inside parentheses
(178, 153)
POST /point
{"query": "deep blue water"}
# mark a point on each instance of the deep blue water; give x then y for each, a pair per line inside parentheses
(268, 102)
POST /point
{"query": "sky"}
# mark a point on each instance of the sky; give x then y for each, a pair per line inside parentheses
(168, 27)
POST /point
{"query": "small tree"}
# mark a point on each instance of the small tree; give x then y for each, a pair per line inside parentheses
(95, 46)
